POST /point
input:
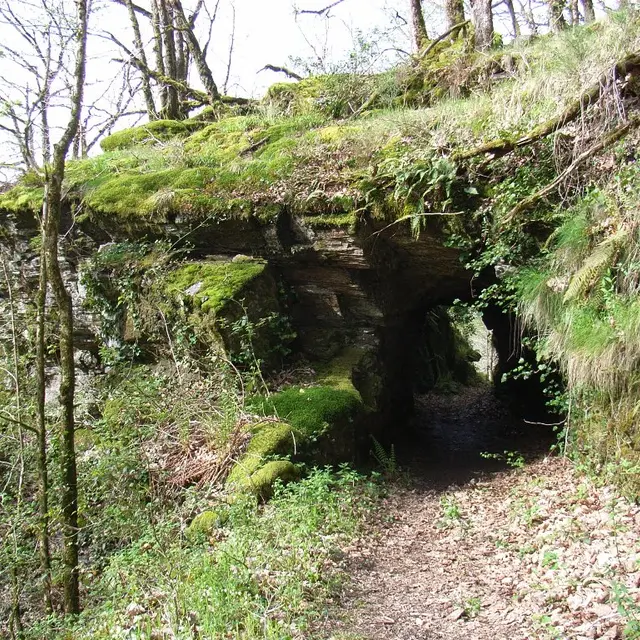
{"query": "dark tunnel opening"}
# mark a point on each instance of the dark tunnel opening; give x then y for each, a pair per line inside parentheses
(472, 406)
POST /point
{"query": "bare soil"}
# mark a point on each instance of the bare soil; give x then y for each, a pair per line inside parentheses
(468, 548)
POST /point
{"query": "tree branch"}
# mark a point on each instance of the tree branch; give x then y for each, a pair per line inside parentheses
(138, 9)
(500, 147)
(440, 38)
(320, 12)
(277, 69)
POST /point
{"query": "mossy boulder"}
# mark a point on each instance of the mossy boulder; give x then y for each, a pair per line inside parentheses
(152, 132)
(212, 285)
(262, 482)
(269, 439)
(256, 471)
(325, 417)
(234, 303)
(205, 524)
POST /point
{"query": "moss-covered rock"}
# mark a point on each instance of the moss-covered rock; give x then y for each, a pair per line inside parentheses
(262, 481)
(213, 284)
(22, 197)
(257, 470)
(234, 303)
(205, 524)
(269, 439)
(324, 417)
(151, 132)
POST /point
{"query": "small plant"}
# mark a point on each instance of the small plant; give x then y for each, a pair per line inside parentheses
(629, 609)
(513, 459)
(451, 512)
(472, 607)
(550, 560)
(386, 460)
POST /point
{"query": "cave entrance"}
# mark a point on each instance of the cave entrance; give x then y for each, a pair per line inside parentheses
(467, 414)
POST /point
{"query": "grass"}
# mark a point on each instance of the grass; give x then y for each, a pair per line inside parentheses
(269, 575)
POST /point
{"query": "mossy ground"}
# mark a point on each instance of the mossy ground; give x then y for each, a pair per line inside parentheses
(302, 158)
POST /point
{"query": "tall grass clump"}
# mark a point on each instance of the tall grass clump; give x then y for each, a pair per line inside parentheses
(582, 300)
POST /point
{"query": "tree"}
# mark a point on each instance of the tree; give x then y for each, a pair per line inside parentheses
(52, 210)
(455, 12)
(483, 21)
(589, 11)
(513, 17)
(557, 20)
(420, 36)
(175, 48)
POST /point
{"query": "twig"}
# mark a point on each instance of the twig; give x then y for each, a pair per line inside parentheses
(416, 215)
(320, 12)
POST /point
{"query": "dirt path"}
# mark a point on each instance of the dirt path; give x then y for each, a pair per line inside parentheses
(468, 551)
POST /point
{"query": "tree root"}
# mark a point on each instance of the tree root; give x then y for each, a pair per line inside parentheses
(603, 143)
(500, 147)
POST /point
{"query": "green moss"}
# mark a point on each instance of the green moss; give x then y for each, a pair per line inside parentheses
(205, 523)
(268, 439)
(152, 132)
(344, 220)
(22, 198)
(313, 410)
(263, 480)
(338, 373)
(218, 282)
(257, 471)
(132, 195)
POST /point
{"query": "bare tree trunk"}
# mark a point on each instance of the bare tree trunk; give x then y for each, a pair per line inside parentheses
(574, 13)
(556, 16)
(483, 21)
(158, 50)
(53, 206)
(204, 71)
(455, 12)
(589, 12)
(514, 19)
(41, 426)
(172, 107)
(15, 618)
(139, 46)
(420, 36)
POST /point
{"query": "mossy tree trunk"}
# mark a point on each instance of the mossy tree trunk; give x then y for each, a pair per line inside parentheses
(41, 426)
(557, 21)
(483, 22)
(51, 230)
(420, 36)
(455, 12)
(589, 11)
(171, 106)
(138, 44)
(197, 53)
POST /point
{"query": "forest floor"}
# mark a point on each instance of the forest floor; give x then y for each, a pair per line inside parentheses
(466, 547)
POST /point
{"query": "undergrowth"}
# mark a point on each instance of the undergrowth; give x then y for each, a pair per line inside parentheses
(267, 572)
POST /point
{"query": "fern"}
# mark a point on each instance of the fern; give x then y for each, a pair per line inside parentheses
(387, 461)
(601, 259)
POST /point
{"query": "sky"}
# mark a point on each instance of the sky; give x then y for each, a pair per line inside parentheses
(266, 32)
